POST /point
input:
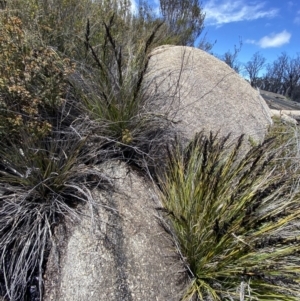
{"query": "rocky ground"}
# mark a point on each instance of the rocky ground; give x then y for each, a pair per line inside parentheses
(278, 101)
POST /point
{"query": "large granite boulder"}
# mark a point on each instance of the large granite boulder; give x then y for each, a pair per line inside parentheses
(200, 92)
(119, 250)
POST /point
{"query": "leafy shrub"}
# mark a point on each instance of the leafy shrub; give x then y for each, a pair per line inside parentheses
(57, 23)
(32, 81)
(61, 24)
(236, 221)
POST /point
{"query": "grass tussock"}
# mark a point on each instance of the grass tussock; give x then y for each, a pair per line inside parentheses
(287, 139)
(236, 222)
(115, 103)
(41, 185)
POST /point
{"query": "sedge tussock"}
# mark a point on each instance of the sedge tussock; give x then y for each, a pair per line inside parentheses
(41, 184)
(235, 220)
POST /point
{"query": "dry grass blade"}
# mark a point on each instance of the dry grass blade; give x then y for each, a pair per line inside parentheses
(40, 185)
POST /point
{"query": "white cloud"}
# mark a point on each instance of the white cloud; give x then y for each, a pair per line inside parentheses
(249, 41)
(272, 40)
(227, 11)
(297, 19)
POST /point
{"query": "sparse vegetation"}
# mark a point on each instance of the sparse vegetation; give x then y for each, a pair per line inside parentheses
(72, 94)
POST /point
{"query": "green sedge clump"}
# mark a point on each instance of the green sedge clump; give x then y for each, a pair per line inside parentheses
(235, 219)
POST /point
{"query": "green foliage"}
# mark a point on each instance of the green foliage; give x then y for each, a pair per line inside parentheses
(184, 20)
(235, 220)
(117, 96)
(32, 81)
(61, 24)
(56, 23)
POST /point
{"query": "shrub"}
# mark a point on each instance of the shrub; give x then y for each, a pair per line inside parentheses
(184, 20)
(57, 24)
(62, 24)
(235, 221)
(33, 81)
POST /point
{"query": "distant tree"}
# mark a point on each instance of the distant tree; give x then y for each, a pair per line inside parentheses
(296, 94)
(230, 57)
(205, 44)
(184, 19)
(266, 82)
(275, 74)
(291, 75)
(254, 66)
(283, 75)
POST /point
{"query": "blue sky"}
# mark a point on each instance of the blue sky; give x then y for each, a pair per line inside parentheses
(270, 27)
